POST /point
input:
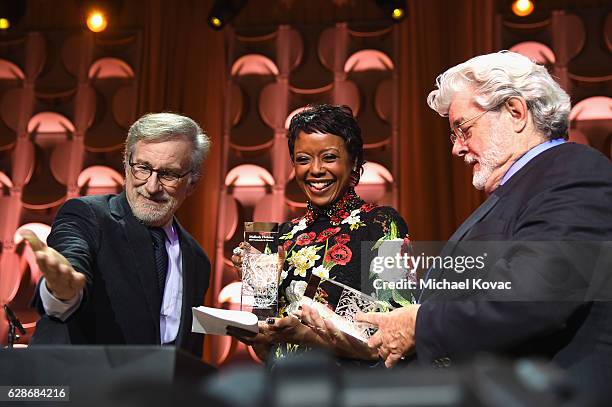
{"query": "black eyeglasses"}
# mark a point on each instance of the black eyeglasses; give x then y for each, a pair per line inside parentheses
(167, 178)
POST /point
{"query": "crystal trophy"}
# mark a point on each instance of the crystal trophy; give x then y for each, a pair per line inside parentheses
(260, 270)
(340, 303)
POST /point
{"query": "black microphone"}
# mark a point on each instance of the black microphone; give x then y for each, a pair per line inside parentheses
(13, 319)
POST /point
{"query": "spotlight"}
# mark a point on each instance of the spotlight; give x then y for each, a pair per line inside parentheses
(223, 11)
(216, 22)
(397, 14)
(99, 13)
(522, 8)
(395, 9)
(11, 11)
(96, 21)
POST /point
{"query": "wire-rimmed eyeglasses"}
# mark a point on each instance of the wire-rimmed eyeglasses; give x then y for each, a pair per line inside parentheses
(459, 133)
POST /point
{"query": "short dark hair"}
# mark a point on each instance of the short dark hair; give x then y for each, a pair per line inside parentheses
(332, 119)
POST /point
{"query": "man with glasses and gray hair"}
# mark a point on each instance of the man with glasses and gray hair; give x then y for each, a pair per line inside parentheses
(120, 269)
(509, 121)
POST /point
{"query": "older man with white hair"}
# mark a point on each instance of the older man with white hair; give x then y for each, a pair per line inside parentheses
(120, 269)
(509, 121)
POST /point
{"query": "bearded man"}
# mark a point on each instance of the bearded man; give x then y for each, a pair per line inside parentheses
(548, 199)
(120, 269)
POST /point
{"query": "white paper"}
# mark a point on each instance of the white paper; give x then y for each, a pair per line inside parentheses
(214, 321)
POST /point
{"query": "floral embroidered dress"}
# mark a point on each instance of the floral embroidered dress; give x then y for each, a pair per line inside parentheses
(333, 243)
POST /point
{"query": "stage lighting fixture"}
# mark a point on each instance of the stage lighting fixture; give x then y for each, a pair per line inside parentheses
(223, 11)
(522, 8)
(397, 14)
(395, 9)
(11, 11)
(216, 22)
(99, 13)
(97, 21)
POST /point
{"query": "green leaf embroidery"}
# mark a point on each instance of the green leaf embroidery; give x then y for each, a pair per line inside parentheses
(393, 233)
(384, 294)
(399, 298)
(380, 241)
(384, 306)
(286, 236)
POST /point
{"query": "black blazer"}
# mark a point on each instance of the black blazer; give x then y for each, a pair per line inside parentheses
(102, 239)
(563, 194)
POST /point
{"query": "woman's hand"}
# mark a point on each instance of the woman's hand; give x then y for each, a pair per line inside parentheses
(252, 339)
(311, 331)
(340, 343)
(237, 255)
(276, 330)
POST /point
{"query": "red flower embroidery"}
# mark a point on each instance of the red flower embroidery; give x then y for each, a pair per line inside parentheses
(339, 254)
(287, 244)
(367, 207)
(326, 234)
(305, 238)
(339, 217)
(342, 239)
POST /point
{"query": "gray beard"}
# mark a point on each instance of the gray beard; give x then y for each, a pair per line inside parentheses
(490, 160)
(153, 215)
(149, 218)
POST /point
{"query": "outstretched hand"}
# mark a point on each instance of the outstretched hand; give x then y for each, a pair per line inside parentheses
(62, 280)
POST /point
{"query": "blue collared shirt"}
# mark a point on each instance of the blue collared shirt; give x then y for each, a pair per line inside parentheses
(528, 156)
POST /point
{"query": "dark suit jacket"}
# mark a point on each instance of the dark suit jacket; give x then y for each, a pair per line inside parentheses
(102, 239)
(563, 194)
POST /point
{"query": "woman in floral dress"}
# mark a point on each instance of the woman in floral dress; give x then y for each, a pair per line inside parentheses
(337, 236)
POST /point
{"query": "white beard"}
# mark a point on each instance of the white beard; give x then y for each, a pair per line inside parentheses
(491, 158)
